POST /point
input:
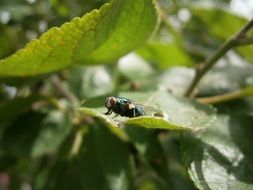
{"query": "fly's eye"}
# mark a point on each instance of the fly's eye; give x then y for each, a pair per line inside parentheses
(110, 102)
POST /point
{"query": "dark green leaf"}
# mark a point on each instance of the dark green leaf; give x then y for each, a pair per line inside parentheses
(101, 163)
(221, 157)
(149, 181)
(18, 138)
(150, 150)
(35, 134)
(55, 127)
(9, 109)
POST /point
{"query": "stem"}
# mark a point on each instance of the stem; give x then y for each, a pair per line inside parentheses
(244, 92)
(65, 92)
(77, 143)
(164, 18)
(245, 41)
(221, 98)
(237, 39)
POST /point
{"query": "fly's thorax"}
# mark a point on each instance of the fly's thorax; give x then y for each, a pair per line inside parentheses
(131, 106)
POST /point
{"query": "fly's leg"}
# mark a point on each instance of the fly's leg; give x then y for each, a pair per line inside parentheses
(115, 116)
(109, 112)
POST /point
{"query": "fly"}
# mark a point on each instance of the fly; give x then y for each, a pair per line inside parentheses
(126, 107)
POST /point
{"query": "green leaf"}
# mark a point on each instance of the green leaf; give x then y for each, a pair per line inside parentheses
(150, 149)
(175, 80)
(9, 109)
(101, 163)
(215, 18)
(18, 138)
(223, 24)
(178, 176)
(221, 158)
(101, 36)
(165, 55)
(91, 81)
(178, 113)
(35, 134)
(131, 65)
(232, 74)
(248, 91)
(55, 127)
(149, 181)
(8, 39)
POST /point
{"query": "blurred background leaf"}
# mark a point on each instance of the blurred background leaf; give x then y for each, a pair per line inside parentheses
(225, 147)
(102, 162)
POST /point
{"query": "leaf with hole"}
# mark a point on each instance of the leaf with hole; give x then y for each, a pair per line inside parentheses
(176, 113)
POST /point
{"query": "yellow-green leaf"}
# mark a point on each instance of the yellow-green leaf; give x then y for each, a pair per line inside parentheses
(101, 36)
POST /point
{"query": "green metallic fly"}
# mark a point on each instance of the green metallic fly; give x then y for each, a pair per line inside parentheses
(126, 107)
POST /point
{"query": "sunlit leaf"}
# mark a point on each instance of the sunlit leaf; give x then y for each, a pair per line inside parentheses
(101, 36)
(165, 55)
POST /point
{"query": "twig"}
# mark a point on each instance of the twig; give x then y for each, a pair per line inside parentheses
(65, 92)
(228, 96)
(221, 98)
(164, 18)
(238, 39)
(76, 143)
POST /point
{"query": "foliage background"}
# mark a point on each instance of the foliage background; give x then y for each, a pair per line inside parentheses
(48, 143)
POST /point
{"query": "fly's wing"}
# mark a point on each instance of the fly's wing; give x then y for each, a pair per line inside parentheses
(155, 112)
(148, 108)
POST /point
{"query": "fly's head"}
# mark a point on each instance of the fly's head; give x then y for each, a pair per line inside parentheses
(110, 102)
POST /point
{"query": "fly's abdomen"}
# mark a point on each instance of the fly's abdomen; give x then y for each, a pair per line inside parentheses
(139, 111)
